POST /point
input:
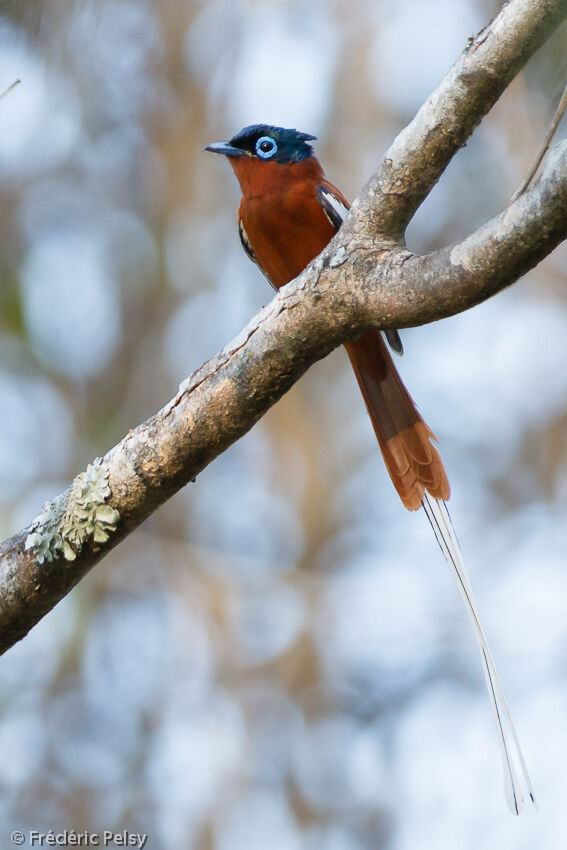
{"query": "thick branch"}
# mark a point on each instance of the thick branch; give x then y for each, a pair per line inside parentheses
(422, 289)
(360, 281)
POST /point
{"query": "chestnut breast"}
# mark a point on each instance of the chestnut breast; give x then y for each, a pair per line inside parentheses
(285, 224)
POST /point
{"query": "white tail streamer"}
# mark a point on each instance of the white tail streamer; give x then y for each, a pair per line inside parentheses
(510, 750)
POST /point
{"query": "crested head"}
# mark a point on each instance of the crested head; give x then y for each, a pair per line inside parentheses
(273, 143)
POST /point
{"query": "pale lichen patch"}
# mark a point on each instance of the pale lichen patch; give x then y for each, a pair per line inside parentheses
(338, 258)
(72, 519)
(461, 256)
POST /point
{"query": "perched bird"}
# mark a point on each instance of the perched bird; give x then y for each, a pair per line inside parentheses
(288, 213)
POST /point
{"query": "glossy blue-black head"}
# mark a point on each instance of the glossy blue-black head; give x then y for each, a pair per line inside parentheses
(267, 143)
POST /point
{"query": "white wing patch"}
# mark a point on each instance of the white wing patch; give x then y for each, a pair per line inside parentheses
(332, 206)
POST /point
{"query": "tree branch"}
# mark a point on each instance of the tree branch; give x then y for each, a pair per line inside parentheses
(365, 278)
(9, 89)
(422, 151)
(422, 289)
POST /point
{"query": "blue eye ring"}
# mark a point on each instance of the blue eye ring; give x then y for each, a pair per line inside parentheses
(266, 147)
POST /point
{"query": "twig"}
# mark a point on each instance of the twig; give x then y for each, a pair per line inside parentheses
(9, 89)
(546, 143)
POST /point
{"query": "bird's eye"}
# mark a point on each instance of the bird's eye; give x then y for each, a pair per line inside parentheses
(266, 147)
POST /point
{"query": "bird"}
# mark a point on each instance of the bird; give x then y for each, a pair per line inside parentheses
(288, 213)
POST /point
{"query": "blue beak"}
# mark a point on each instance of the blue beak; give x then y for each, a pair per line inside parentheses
(224, 148)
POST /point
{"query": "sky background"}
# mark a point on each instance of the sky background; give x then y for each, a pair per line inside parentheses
(279, 657)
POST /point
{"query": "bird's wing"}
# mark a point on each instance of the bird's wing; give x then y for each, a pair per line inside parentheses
(335, 206)
(246, 242)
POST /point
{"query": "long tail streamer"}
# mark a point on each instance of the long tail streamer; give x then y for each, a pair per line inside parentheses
(510, 750)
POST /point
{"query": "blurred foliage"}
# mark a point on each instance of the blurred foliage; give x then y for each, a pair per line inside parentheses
(278, 659)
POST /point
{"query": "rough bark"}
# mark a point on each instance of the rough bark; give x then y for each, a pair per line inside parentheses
(365, 278)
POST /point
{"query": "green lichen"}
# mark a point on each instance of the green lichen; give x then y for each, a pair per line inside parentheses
(73, 519)
(46, 538)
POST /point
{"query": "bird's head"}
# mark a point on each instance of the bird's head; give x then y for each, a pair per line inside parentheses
(265, 143)
(261, 156)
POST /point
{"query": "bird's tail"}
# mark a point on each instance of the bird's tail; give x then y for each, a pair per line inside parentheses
(418, 474)
(411, 458)
(516, 776)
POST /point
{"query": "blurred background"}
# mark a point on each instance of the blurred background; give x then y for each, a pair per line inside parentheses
(279, 657)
